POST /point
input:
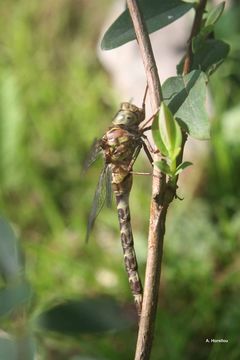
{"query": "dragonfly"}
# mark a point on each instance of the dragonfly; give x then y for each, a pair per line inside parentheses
(120, 147)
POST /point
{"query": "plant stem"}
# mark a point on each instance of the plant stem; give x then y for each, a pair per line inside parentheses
(158, 209)
(195, 29)
(146, 51)
(162, 192)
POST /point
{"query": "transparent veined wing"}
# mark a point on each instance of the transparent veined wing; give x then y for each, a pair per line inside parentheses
(94, 152)
(108, 185)
(102, 194)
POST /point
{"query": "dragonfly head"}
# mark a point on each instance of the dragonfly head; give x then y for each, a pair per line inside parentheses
(129, 115)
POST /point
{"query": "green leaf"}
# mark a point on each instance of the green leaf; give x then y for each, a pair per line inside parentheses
(14, 296)
(175, 152)
(182, 166)
(26, 346)
(157, 14)
(8, 349)
(199, 40)
(17, 348)
(11, 130)
(214, 14)
(169, 131)
(163, 166)
(185, 96)
(157, 137)
(210, 56)
(11, 264)
(85, 316)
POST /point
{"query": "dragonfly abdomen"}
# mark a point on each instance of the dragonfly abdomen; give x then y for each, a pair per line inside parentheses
(122, 199)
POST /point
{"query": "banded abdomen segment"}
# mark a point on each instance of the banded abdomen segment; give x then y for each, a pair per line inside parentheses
(122, 199)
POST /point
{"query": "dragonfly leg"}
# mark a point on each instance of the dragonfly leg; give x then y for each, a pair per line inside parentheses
(149, 148)
(147, 129)
(147, 152)
(140, 173)
(143, 125)
(143, 173)
(135, 155)
(144, 97)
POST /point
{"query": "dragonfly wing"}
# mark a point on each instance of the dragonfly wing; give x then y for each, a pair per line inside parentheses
(93, 154)
(108, 184)
(98, 201)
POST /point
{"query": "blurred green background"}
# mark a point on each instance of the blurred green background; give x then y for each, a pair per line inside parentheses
(55, 98)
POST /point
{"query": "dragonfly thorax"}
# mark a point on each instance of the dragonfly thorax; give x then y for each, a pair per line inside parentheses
(129, 115)
(119, 145)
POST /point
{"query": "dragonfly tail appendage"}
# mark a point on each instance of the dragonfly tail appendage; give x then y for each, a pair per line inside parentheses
(128, 249)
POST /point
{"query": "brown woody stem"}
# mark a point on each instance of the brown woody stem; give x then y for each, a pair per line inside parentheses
(195, 29)
(162, 192)
(157, 212)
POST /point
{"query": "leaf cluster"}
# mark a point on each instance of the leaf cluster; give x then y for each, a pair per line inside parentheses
(184, 95)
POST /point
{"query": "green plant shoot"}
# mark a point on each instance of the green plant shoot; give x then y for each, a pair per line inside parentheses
(167, 136)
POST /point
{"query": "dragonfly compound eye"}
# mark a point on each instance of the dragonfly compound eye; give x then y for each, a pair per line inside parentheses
(124, 117)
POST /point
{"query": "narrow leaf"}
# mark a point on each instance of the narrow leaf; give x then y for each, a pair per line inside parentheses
(157, 14)
(170, 131)
(11, 265)
(8, 348)
(90, 315)
(175, 153)
(22, 347)
(182, 166)
(157, 137)
(11, 131)
(215, 13)
(14, 296)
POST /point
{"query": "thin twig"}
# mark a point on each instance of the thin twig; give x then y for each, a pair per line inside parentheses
(162, 193)
(195, 29)
(145, 47)
(157, 210)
